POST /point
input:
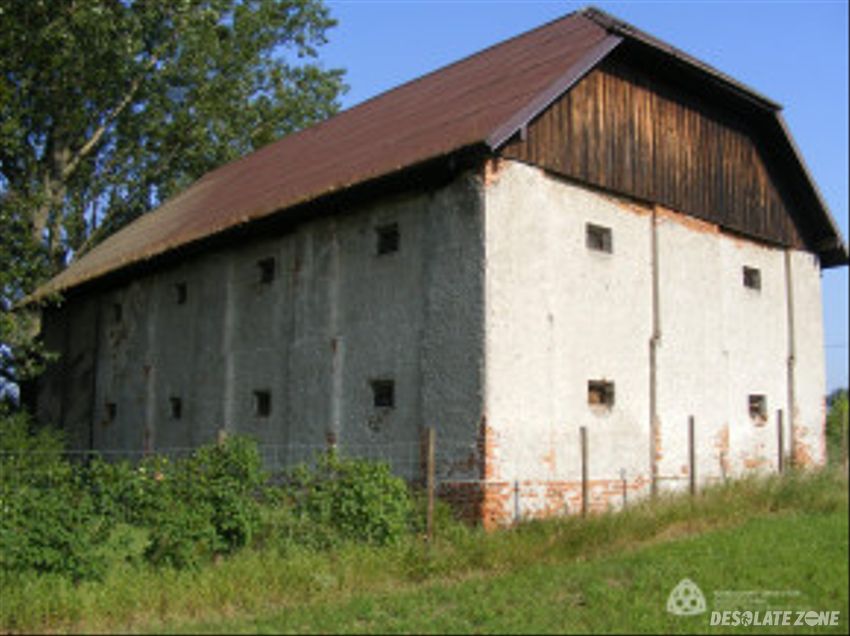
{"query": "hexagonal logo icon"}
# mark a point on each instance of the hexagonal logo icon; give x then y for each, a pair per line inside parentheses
(686, 599)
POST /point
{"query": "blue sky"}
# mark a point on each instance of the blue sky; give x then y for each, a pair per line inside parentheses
(792, 52)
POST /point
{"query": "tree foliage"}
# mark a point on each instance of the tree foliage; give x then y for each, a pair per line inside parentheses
(22, 265)
(836, 423)
(109, 107)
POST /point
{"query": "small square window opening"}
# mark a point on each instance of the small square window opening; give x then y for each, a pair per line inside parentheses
(758, 408)
(599, 239)
(600, 394)
(110, 411)
(181, 293)
(752, 278)
(266, 267)
(176, 407)
(388, 239)
(262, 403)
(383, 393)
(117, 312)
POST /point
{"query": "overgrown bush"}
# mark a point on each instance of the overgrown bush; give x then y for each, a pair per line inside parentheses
(205, 504)
(195, 507)
(79, 519)
(228, 478)
(360, 499)
(47, 518)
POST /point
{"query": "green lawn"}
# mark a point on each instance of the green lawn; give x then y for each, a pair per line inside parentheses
(606, 573)
(625, 591)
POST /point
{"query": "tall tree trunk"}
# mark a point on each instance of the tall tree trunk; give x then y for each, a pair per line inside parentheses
(47, 217)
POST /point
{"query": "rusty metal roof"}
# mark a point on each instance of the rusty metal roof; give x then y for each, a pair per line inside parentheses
(457, 106)
(481, 100)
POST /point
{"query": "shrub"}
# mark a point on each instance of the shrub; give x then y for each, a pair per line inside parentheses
(228, 478)
(118, 489)
(181, 535)
(47, 518)
(360, 499)
(202, 505)
(77, 519)
(27, 451)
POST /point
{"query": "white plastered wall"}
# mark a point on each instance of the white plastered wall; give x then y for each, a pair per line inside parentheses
(559, 315)
(809, 363)
(721, 342)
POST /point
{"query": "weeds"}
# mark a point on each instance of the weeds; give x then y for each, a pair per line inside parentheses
(114, 547)
(276, 572)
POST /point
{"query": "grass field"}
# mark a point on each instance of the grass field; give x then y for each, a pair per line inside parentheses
(607, 573)
(625, 591)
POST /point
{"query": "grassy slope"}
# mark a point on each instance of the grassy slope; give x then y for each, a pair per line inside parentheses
(605, 573)
(623, 592)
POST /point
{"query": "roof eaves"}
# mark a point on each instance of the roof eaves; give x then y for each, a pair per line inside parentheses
(61, 283)
(833, 249)
(838, 244)
(554, 91)
(626, 30)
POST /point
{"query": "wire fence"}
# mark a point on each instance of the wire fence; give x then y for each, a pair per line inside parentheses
(460, 471)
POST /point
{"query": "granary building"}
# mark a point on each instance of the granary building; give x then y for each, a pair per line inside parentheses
(580, 238)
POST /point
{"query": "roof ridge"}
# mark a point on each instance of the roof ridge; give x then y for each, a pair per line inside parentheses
(628, 30)
(369, 100)
(479, 53)
(554, 91)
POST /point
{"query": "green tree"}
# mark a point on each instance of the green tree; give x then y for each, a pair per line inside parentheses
(109, 107)
(836, 420)
(22, 265)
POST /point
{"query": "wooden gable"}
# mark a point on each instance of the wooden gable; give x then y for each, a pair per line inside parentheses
(647, 136)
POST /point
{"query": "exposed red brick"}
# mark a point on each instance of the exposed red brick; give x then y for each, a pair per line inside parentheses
(500, 503)
(802, 452)
(688, 221)
(753, 463)
(549, 459)
(492, 170)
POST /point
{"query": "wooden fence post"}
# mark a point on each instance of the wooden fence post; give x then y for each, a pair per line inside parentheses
(625, 486)
(583, 434)
(692, 456)
(430, 481)
(517, 513)
(780, 443)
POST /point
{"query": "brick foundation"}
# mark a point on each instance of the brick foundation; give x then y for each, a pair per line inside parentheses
(500, 503)
(489, 499)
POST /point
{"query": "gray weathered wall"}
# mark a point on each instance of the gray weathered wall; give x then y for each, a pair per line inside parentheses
(336, 316)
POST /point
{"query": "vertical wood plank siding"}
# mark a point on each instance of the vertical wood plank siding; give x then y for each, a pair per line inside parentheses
(622, 131)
